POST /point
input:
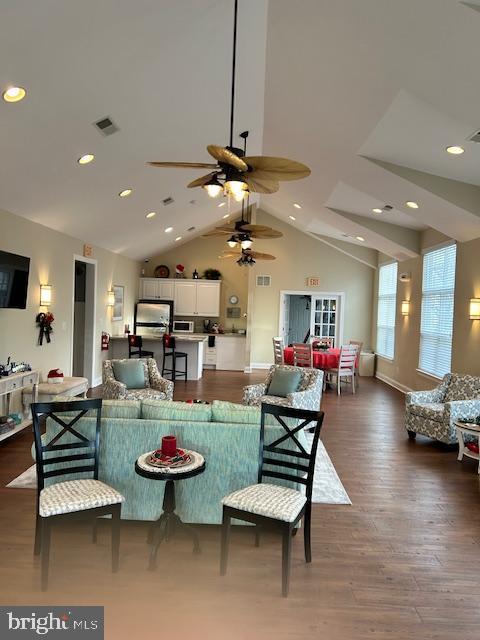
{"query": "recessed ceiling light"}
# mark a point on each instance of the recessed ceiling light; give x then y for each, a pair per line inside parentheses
(125, 193)
(86, 159)
(152, 214)
(359, 238)
(14, 94)
(296, 205)
(292, 217)
(377, 210)
(411, 204)
(455, 150)
(222, 204)
(227, 215)
(169, 230)
(178, 238)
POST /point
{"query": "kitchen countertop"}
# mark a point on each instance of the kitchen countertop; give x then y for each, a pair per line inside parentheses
(181, 337)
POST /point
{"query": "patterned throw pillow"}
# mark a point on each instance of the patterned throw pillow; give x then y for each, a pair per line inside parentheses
(462, 387)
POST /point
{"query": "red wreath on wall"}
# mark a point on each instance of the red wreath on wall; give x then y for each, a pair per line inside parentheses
(44, 322)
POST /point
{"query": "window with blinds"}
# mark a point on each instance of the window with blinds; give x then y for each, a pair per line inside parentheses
(387, 298)
(436, 326)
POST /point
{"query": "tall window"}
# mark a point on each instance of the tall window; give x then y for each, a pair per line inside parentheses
(437, 310)
(387, 297)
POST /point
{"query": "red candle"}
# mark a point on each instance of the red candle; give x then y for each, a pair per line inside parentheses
(169, 445)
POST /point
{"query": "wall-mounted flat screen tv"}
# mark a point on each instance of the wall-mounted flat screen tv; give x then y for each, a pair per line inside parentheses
(14, 272)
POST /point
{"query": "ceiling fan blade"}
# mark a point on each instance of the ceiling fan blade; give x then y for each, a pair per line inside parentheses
(261, 256)
(261, 185)
(184, 165)
(260, 231)
(218, 231)
(226, 156)
(269, 168)
(199, 182)
(266, 235)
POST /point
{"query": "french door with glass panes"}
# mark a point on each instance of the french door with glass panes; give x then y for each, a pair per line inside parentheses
(324, 319)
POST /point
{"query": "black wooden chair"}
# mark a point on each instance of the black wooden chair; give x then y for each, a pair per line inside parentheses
(135, 347)
(70, 500)
(273, 506)
(170, 343)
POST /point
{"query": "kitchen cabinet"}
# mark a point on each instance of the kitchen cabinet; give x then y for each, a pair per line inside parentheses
(230, 352)
(191, 297)
(156, 289)
(197, 298)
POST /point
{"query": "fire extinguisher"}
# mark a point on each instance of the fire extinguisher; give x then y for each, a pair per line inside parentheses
(105, 341)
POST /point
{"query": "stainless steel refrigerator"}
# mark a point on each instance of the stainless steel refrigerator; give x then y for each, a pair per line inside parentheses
(153, 318)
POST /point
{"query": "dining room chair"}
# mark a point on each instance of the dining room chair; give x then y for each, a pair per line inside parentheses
(359, 345)
(274, 506)
(70, 500)
(278, 347)
(302, 355)
(345, 368)
(135, 347)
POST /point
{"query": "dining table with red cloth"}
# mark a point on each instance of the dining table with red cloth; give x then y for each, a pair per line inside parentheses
(322, 358)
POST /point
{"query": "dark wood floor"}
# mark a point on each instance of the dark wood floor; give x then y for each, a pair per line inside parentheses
(402, 562)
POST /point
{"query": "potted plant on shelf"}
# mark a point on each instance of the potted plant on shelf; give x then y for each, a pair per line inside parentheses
(212, 274)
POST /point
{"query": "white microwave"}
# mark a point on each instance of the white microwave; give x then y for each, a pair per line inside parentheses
(183, 326)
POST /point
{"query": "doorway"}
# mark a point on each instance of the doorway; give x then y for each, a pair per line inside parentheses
(305, 316)
(83, 334)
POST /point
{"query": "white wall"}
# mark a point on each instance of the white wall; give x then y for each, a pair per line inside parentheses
(52, 261)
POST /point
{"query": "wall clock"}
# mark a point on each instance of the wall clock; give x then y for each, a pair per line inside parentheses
(233, 299)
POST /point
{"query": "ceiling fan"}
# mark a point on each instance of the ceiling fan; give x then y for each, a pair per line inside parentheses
(234, 173)
(247, 257)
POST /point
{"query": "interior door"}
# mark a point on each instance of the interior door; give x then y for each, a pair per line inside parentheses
(324, 319)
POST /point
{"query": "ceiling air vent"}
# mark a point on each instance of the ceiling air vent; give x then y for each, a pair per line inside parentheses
(388, 207)
(264, 281)
(167, 201)
(475, 137)
(106, 126)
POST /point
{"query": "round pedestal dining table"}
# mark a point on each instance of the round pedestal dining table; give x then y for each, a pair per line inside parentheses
(322, 359)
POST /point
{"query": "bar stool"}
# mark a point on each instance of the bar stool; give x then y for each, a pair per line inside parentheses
(136, 341)
(169, 343)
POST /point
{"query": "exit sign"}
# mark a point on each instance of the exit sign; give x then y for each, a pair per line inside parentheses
(313, 281)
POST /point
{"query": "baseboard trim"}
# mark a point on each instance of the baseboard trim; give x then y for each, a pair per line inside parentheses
(392, 383)
(260, 365)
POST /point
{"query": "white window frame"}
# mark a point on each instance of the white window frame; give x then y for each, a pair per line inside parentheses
(443, 339)
(386, 297)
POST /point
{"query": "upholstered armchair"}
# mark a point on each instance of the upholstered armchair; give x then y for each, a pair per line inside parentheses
(433, 413)
(308, 396)
(155, 387)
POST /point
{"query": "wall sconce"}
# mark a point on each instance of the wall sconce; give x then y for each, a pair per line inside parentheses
(45, 295)
(110, 298)
(405, 307)
(474, 309)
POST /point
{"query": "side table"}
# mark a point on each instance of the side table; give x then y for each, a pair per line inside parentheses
(463, 429)
(169, 521)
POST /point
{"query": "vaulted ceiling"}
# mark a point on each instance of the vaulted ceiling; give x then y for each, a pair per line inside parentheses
(368, 94)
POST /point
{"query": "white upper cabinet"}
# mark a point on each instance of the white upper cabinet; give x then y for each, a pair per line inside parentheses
(208, 298)
(185, 301)
(191, 297)
(156, 289)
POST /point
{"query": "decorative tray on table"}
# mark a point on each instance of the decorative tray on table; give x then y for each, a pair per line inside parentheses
(159, 459)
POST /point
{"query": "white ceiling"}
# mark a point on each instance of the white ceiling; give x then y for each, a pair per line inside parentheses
(161, 70)
(347, 87)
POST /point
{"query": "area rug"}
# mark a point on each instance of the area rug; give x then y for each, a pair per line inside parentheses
(327, 486)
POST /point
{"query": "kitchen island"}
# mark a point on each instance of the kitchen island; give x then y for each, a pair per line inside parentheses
(192, 345)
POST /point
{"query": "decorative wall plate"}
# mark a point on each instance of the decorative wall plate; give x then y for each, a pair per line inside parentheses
(162, 271)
